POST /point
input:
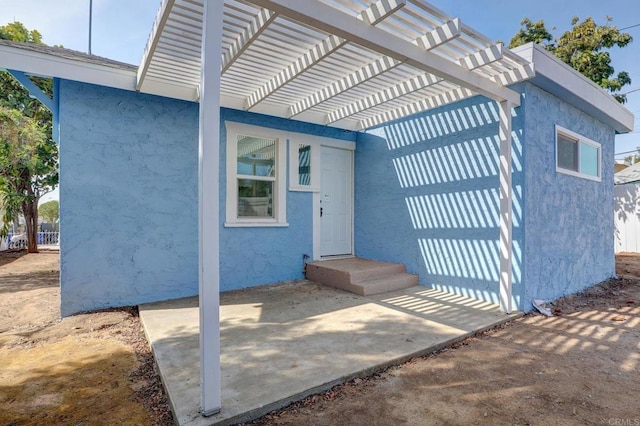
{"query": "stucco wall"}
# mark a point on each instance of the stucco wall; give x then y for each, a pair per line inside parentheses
(433, 204)
(128, 197)
(260, 255)
(569, 220)
(427, 196)
(129, 194)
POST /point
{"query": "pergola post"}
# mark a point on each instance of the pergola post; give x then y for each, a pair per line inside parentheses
(208, 208)
(506, 208)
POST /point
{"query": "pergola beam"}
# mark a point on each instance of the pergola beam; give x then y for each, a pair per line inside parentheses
(440, 35)
(340, 24)
(158, 26)
(428, 41)
(260, 23)
(518, 73)
(354, 79)
(306, 61)
(371, 16)
(483, 57)
(473, 61)
(435, 101)
(380, 10)
(404, 88)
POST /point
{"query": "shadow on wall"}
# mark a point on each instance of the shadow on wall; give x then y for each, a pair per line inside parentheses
(445, 173)
(627, 217)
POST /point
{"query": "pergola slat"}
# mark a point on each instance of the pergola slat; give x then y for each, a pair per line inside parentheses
(340, 62)
(428, 41)
(476, 60)
(383, 96)
(374, 14)
(422, 105)
(248, 36)
(483, 57)
(154, 38)
(328, 19)
(439, 35)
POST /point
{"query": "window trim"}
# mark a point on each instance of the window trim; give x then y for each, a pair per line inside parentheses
(280, 185)
(314, 163)
(559, 130)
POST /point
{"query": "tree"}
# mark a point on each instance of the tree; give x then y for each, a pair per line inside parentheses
(50, 211)
(535, 32)
(585, 47)
(16, 31)
(28, 154)
(28, 170)
(12, 94)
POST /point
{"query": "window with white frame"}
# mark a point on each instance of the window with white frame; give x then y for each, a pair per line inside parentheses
(304, 167)
(577, 155)
(256, 174)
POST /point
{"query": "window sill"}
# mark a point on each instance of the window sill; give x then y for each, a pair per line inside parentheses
(255, 225)
(578, 174)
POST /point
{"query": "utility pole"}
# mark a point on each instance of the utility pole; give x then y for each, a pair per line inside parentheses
(90, 19)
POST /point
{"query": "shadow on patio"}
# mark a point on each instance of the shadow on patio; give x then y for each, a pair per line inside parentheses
(282, 342)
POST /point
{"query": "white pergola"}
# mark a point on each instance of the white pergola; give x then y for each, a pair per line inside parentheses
(351, 64)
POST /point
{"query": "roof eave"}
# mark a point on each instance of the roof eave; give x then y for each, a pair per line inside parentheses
(559, 79)
(48, 65)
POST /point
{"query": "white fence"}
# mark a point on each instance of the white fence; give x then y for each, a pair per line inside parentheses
(49, 238)
(627, 217)
(46, 238)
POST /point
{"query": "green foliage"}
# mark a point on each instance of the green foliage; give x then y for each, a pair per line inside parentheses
(585, 47)
(28, 154)
(28, 164)
(50, 211)
(12, 94)
(16, 31)
(535, 32)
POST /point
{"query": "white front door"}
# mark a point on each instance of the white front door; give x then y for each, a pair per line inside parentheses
(336, 202)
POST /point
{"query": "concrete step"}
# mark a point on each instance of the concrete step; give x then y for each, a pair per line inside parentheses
(385, 284)
(361, 276)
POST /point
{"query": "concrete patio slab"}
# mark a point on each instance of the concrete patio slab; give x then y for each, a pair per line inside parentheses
(283, 342)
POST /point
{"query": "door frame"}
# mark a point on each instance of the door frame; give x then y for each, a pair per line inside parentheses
(346, 146)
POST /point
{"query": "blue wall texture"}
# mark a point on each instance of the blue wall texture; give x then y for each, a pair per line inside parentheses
(129, 202)
(569, 220)
(434, 203)
(128, 197)
(260, 255)
(427, 196)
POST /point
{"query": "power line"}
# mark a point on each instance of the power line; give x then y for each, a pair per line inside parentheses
(630, 26)
(626, 152)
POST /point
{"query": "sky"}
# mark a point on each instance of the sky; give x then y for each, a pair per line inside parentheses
(121, 28)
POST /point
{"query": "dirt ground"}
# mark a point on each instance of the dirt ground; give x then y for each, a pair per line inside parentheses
(579, 367)
(87, 369)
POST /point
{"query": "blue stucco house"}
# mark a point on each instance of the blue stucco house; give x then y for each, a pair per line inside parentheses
(403, 165)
